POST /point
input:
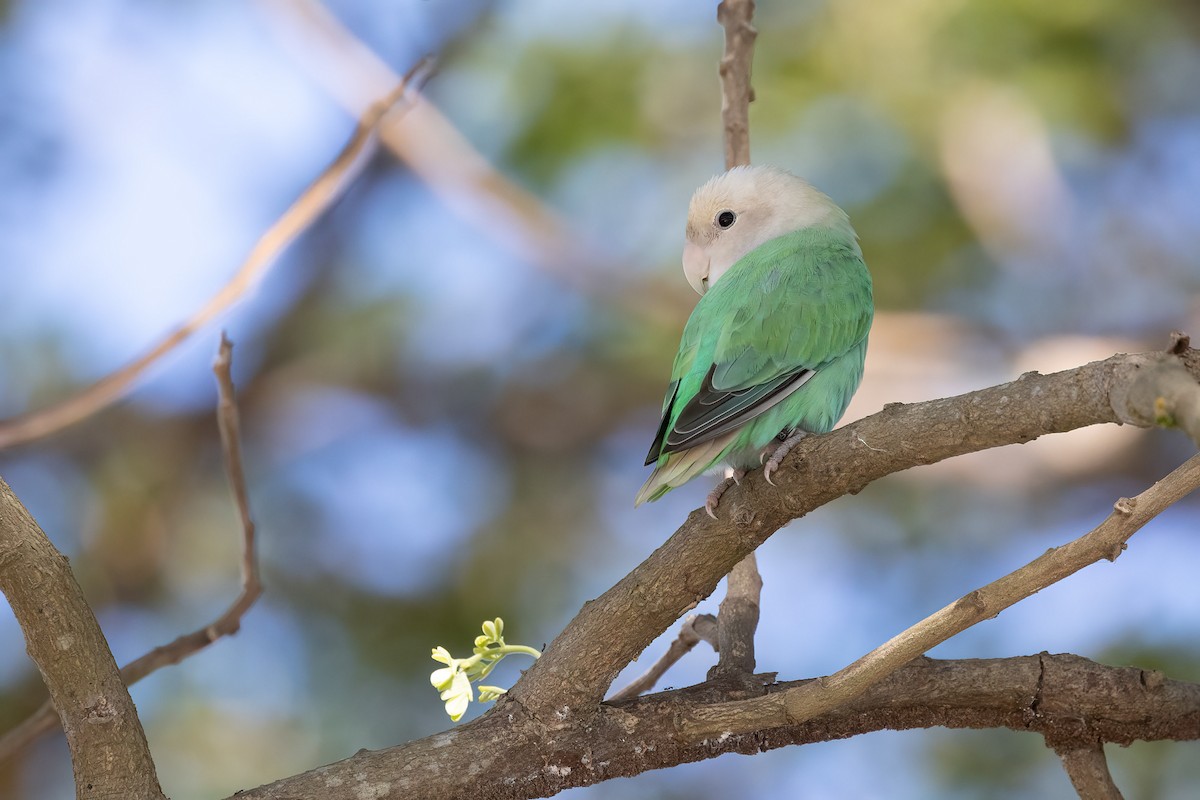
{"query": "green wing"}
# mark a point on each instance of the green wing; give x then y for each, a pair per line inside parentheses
(774, 319)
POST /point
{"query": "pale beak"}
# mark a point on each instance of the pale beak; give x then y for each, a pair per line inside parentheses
(695, 267)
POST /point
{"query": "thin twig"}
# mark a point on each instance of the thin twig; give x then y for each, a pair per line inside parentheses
(313, 201)
(1088, 771)
(229, 424)
(436, 152)
(1105, 541)
(44, 720)
(738, 615)
(695, 629)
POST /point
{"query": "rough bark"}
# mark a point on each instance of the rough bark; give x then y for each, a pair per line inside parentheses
(1106, 541)
(612, 630)
(552, 733)
(737, 621)
(508, 755)
(1088, 771)
(109, 753)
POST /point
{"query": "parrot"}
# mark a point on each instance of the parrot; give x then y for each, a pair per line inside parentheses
(775, 347)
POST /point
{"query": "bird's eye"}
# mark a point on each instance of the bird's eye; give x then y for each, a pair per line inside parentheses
(726, 219)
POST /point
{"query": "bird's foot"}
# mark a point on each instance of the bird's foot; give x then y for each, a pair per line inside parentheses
(732, 476)
(778, 451)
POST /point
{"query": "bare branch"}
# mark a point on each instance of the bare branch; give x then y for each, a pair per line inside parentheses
(695, 629)
(1088, 771)
(44, 720)
(508, 755)
(313, 201)
(109, 753)
(1170, 398)
(429, 144)
(573, 673)
(736, 91)
(229, 424)
(738, 617)
(1105, 541)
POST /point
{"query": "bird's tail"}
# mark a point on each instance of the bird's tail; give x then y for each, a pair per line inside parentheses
(676, 469)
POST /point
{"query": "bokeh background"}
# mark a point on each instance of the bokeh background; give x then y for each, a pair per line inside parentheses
(448, 388)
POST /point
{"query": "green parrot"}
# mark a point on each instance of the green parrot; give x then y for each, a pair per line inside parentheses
(774, 348)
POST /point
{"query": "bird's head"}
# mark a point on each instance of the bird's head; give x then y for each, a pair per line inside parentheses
(743, 208)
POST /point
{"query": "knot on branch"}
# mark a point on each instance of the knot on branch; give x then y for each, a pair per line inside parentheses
(1152, 679)
(98, 710)
(1162, 391)
(743, 516)
(971, 603)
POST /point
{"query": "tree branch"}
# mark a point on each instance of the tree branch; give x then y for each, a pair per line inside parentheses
(738, 617)
(506, 755)
(737, 620)
(1105, 541)
(1171, 400)
(574, 674)
(109, 754)
(313, 202)
(695, 629)
(436, 152)
(1088, 771)
(736, 91)
(44, 720)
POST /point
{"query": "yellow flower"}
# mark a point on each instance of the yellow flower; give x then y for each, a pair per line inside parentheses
(442, 678)
(458, 696)
(453, 681)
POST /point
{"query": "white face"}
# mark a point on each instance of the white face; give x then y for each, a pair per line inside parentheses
(736, 212)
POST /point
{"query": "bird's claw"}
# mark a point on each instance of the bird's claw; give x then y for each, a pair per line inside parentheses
(733, 477)
(710, 506)
(779, 452)
(767, 470)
